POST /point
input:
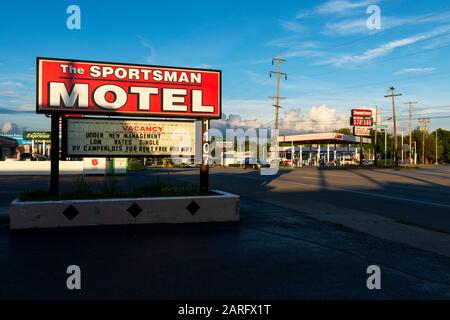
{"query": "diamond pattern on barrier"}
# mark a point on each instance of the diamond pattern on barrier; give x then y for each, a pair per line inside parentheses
(70, 212)
(134, 210)
(193, 207)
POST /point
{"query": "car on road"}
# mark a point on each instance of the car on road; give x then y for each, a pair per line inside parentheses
(255, 164)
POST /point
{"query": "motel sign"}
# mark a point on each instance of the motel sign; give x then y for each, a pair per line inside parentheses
(80, 87)
(83, 87)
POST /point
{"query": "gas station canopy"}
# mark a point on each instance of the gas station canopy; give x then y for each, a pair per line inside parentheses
(323, 138)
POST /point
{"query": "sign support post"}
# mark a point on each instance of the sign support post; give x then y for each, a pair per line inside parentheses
(361, 152)
(204, 167)
(54, 154)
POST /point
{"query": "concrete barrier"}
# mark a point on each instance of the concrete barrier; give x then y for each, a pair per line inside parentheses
(220, 207)
(39, 167)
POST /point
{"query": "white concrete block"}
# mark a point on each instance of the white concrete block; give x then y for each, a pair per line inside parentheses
(220, 207)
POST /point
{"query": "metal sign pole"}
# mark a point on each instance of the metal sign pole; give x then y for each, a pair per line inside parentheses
(361, 151)
(54, 154)
(204, 167)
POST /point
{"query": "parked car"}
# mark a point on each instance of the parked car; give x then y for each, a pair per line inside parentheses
(251, 163)
(25, 156)
(40, 157)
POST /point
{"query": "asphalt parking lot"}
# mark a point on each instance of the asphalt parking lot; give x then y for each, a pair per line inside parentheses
(303, 234)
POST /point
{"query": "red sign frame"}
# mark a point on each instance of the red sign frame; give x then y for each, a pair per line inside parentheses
(69, 86)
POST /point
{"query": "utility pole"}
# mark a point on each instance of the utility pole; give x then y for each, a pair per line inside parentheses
(277, 106)
(402, 147)
(393, 95)
(436, 133)
(424, 123)
(375, 160)
(410, 107)
(415, 152)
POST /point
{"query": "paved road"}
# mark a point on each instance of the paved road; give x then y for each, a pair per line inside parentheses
(407, 206)
(419, 196)
(281, 248)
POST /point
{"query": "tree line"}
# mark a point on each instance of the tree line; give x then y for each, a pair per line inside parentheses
(426, 153)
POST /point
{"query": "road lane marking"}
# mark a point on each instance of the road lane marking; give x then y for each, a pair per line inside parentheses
(436, 204)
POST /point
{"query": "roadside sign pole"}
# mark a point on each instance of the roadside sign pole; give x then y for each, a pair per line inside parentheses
(204, 167)
(361, 151)
(385, 147)
(54, 154)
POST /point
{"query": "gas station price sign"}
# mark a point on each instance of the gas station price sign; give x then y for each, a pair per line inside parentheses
(361, 121)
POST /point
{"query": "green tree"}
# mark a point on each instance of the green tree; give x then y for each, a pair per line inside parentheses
(344, 131)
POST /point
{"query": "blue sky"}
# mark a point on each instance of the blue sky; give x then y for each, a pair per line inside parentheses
(334, 62)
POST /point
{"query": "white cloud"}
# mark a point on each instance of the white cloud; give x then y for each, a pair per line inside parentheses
(304, 54)
(292, 42)
(258, 78)
(235, 121)
(316, 119)
(11, 128)
(346, 27)
(291, 26)
(296, 48)
(342, 6)
(355, 26)
(152, 55)
(8, 93)
(337, 7)
(302, 14)
(415, 71)
(386, 48)
(437, 43)
(11, 84)
(27, 106)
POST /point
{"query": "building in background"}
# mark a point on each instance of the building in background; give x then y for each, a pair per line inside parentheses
(8, 147)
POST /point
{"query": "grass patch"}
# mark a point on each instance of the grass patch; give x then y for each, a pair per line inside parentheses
(110, 189)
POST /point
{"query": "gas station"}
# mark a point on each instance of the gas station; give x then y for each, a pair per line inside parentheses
(330, 147)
